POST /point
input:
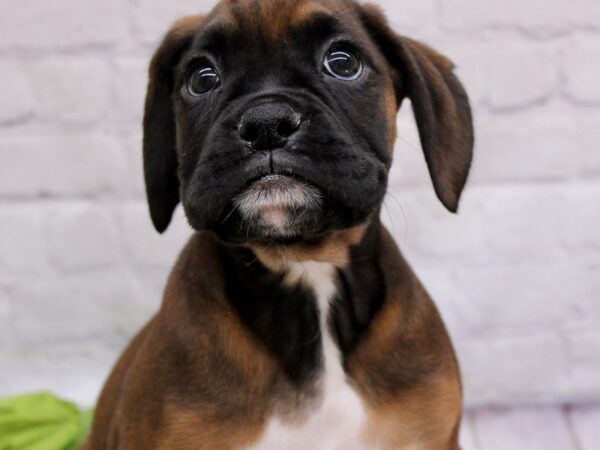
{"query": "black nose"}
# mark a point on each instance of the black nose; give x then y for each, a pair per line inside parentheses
(269, 126)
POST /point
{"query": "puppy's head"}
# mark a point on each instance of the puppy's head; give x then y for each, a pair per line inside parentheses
(273, 121)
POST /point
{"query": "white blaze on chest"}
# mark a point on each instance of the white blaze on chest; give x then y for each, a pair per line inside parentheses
(337, 422)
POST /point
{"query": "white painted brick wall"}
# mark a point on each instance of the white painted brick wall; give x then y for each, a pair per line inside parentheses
(516, 273)
(62, 24)
(512, 429)
(540, 18)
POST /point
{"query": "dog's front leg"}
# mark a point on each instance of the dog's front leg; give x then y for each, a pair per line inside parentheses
(405, 368)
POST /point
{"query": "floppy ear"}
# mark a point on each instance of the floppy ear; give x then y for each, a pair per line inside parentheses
(160, 156)
(440, 105)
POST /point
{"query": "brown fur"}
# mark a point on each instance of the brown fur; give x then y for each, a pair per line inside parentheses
(181, 432)
(272, 17)
(120, 415)
(334, 249)
(405, 367)
(391, 108)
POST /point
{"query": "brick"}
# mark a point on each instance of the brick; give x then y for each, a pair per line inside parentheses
(584, 13)
(4, 306)
(71, 90)
(468, 439)
(524, 428)
(515, 298)
(580, 230)
(473, 66)
(587, 143)
(581, 70)
(129, 82)
(73, 164)
(585, 420)
(414, 18)
(96, 305)
(7, 340)
(61, 23)
(16, 91)
(72, 369)
(23, 248)
(506, 149)
(152, 19)
(520, 369)
(499, 224)
(132, 144)
(522, 75)
(584, 356)
(541, 17)
(82, 237)
(152, 279)
(144, 246)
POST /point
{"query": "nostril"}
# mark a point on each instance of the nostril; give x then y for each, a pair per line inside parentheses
(286, 129)
(249, 132)
(288, 125)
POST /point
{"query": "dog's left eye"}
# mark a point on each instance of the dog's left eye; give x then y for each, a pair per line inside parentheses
(203, 80)
(343, 65)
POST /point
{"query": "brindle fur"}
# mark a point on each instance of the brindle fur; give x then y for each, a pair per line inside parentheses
(234, 341)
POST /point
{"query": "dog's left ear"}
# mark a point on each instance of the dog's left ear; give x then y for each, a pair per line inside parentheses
(160, 155)
(440, 104)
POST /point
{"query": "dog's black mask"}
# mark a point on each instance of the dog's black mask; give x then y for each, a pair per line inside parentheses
(274, 121)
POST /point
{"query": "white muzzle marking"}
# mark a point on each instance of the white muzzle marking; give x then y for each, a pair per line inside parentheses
(277, 203)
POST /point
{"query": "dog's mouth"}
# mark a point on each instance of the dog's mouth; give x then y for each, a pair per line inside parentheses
(275, 177)
(278, 206)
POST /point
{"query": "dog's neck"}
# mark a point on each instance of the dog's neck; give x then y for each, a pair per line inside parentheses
(289, 306)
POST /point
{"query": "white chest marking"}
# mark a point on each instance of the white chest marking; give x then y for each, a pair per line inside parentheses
(337, 423)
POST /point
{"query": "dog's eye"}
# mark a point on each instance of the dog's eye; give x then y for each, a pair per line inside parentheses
(343, 65)
(203, 79)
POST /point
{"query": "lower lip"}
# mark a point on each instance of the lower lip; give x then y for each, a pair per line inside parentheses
(274, 182)
(272, 177)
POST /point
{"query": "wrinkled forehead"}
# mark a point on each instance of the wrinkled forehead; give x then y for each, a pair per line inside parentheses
(273, 20)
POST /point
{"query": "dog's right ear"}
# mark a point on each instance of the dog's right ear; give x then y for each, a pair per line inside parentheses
(439, 102)
(160, 155)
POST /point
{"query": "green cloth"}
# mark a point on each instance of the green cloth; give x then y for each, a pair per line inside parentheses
(42, 422)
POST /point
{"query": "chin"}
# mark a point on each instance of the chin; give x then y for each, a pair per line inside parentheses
(277, 209)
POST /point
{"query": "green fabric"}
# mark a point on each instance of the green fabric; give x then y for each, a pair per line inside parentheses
(42, 422)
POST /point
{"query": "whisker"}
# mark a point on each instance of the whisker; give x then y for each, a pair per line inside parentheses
(387, 210)
(414, 147)
(229, 215)
(393, 197)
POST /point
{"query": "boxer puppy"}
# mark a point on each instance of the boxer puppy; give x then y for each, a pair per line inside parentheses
(291, 320)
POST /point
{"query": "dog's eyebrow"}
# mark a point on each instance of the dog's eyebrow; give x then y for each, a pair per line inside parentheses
(320, 25)
(212, 38)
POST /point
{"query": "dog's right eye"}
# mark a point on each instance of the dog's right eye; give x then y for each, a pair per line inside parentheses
(343, 65)
(203, 80)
